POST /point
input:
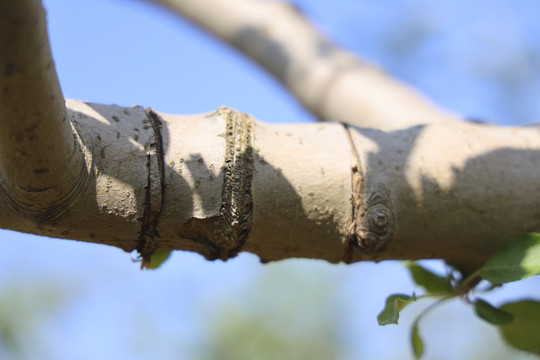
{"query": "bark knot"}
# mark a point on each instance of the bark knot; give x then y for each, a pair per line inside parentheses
(373, 220)
(374, 225)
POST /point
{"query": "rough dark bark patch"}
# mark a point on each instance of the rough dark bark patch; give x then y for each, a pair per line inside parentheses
(148, 241)
(224, 235)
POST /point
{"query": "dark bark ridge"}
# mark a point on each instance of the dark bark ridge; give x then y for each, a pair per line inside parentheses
(223, 236)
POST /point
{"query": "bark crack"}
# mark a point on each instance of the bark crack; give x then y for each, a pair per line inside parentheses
(148, 241)
(357, 178)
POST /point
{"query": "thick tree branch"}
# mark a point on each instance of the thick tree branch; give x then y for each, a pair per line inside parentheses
(41, 164)
(331, 83)
(227, 184)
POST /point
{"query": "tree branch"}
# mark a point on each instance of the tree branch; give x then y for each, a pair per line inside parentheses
(331, 83)
(223, 183)
(41, 164)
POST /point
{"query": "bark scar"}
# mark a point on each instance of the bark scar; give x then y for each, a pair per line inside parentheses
(224, 235)
(148, 241)
(373, 221)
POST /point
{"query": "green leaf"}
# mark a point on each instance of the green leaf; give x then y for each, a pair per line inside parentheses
(394, 304)
(524, 332)
(416, 341)
(430, 281)
(156, 260)
(492, 314)
(516, 260)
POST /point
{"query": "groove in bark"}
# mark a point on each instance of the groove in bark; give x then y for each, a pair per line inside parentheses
(373, 220)
(224, 235)
(148, 241)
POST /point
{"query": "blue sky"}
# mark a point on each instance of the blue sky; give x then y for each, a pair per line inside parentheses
(475, 58)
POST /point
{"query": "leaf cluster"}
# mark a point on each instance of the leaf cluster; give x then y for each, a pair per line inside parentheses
(518, 322)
